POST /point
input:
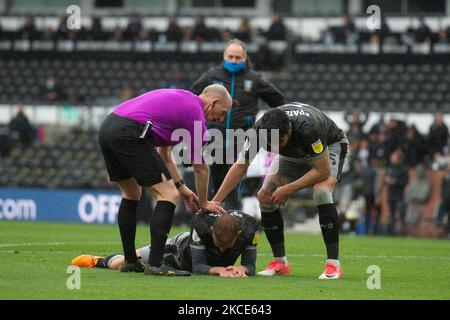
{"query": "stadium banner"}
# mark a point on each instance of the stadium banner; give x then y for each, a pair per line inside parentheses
(82, 206)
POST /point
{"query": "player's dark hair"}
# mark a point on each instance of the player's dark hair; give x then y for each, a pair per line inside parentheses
(275, 119)
(226, 229)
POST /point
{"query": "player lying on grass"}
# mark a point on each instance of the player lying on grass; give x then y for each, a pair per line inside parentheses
(212, 247)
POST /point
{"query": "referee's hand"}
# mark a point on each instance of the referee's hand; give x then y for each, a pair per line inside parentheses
(190, 199)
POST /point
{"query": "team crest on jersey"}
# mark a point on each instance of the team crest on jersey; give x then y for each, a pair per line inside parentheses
(317, 146)
(195, 237)
(248, 84)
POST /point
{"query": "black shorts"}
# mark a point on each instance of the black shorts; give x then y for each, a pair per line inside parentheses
(128, 156)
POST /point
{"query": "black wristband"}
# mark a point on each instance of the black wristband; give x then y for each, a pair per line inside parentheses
(179, 184)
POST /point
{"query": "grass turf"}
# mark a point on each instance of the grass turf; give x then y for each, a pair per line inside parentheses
(34, 258)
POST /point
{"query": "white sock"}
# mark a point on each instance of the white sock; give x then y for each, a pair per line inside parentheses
(281, 259)
(335, 262)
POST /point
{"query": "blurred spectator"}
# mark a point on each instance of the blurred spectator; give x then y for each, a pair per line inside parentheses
(444, 207)
(369, 178)
(201, 32)
(376, 128)
(188, 33)
(127, 93)
(277, 30)
(143, 35)
(48, 33)
(364, 153)
(227, 35)
(396, 180)
(414, 147)
(72, 35)
(408, 38)
(375, 39)
(417, 193)
(134, 27)
(118, 34)
(5, 144)
(96, 30)
(423, 32)
(20, 126)
(378, 150)
(396, 134)
(349, 30)
(438, 136)
(356, 123)
(244, 31)
(384, 30)
(347, 24)
(28, 30)
(62, 32)
(174, 31)
(350, 188)
(52, 91)
(327, 36)
(443, 36)
(369, 191)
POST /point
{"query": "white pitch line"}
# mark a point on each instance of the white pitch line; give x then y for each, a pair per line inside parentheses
(33, 244)
(366, 256)
(31, 252)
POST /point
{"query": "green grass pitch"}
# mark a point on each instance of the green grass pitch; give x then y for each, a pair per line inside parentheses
(34, 258)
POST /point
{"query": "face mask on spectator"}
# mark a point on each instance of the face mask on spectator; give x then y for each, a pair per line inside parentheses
(233, 67)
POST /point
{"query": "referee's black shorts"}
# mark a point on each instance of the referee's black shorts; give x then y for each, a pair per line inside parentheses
(126, 155)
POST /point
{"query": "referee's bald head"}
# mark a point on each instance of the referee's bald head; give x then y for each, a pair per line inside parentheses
(217, 91)
(216, 102)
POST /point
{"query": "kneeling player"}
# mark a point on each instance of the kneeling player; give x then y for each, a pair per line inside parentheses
(311, 153)
(212, 247)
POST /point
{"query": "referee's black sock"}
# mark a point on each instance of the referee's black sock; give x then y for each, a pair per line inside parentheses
(329, 223)
(127, 227)
(273, 225)
(159, 229)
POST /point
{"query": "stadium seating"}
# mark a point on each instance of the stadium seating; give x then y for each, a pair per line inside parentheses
(404, 87)
(94, 81)
(330, 82)
(73, 160)
(375, 87)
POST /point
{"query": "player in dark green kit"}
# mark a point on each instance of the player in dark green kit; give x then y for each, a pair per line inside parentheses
(311, 153)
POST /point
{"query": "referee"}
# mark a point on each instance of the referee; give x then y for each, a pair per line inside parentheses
(245, 87)
(129, 138)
